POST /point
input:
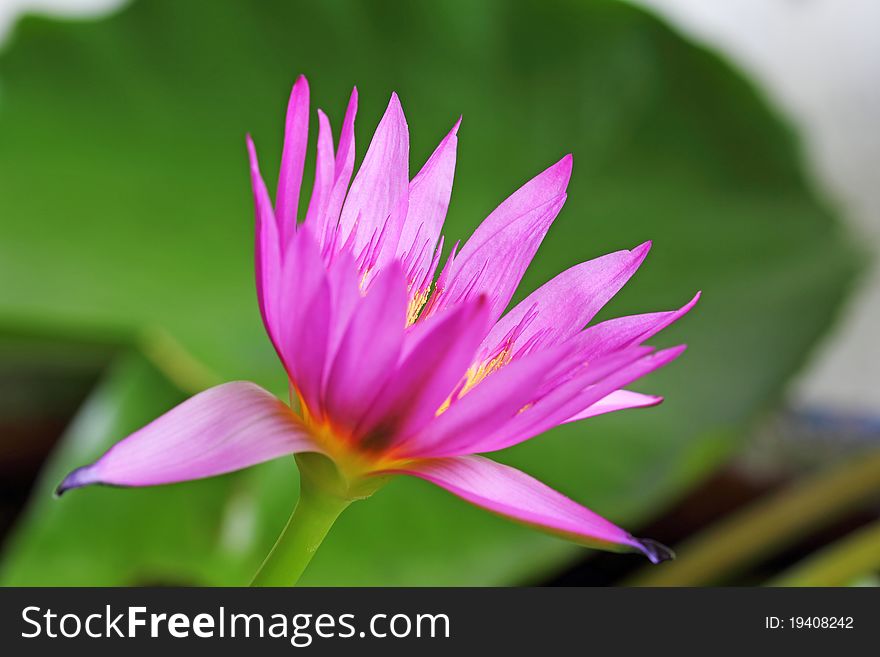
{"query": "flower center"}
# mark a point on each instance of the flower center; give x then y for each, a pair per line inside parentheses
(349, 454)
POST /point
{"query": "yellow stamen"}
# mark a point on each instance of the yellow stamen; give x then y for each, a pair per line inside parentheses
(363, 285)
(415, 306)
(477, 373)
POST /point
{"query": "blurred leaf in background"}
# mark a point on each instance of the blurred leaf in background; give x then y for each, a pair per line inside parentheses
(126, 211)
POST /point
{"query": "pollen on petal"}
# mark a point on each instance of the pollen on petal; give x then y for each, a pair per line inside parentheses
(416, 303)
(476, 374)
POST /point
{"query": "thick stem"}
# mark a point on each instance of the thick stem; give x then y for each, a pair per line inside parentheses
(316, 511)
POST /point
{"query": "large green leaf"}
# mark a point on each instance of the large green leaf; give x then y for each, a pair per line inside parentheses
(126, 212)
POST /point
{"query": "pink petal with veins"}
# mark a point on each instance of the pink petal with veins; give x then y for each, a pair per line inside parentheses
(226, 428)
(510, 493)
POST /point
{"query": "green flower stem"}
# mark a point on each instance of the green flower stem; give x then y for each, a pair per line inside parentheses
(318, 508)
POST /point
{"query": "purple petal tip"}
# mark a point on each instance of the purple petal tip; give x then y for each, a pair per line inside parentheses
(656, 552)
(76, 479)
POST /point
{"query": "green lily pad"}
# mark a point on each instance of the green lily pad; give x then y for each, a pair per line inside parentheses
(127, 217)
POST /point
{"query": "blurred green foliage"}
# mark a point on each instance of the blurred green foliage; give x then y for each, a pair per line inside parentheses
(126, 217)
(745, 538)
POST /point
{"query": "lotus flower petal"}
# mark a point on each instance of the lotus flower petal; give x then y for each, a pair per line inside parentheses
(429, 194)
(570, 398)
(375, 207)
(622, 332)
(325, 177)
(267, 253)
(618, 400)
(369, 349)
(325, 218)
(428, 375)
(484, 409)
(494, 259)
(510, 493)
(564, 305)
(225, 428)
(293, 157)
(305, 305)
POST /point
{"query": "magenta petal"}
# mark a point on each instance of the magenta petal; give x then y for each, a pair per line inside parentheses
(429, 194)
(622, 332)
(293, 157)
(342, 174)
(484, 409)
(564, 305)
(369, 349)
(427, 375)
(345, 153)
(494, 259)
(267, 250)
(226, 428)
(571, 398)
(325, 173)
(346, 294)
(513, 494)
(305, 316)
(379, 188)
(618, 400)
(561, 401)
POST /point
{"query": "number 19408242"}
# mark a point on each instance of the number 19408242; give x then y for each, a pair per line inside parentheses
(809, 622)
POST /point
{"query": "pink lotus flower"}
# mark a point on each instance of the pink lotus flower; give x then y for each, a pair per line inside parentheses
(391, 375)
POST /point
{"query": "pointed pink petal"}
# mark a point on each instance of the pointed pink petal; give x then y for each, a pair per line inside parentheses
(574, 396)
(549, 395)
(564, 305)
(267, 254)
(226, 428)
(496, 256)
(622, 332)
(293, 157)
(346, 294)
(618, 400)
(304, 320)
(425, 378)
(513, 494)
(325, 169)
(429, 194)
(479, 412)
(379, 188)
(342, 174)
(369, 349)
(345, 154)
